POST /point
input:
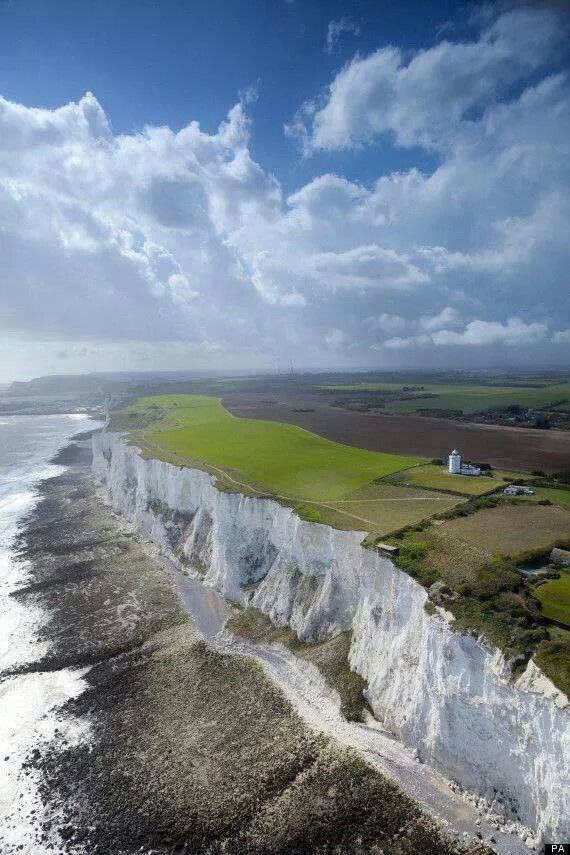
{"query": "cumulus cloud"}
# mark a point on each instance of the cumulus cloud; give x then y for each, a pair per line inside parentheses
(365, 267)
(448, 315)
(336, 339)
(482, 333)
(477, 333)
(182, 238)
(123, 236)
(421, 101)
(386, 322)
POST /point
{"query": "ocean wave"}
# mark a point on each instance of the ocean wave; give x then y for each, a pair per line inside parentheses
(28, 702)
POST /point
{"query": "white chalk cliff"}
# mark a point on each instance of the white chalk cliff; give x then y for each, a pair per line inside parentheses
(448, 695)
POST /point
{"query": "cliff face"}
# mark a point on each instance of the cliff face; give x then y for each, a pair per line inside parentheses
(445, 694)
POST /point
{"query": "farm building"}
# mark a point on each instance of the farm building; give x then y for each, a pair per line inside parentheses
(561, 557)
(516, 490)
(456, 467)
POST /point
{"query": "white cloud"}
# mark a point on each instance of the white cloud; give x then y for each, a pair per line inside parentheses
(422, 101)
(477, 333)
(429, 323)
(386, 322)
(404, 342)
(335, 30)
(365, 267)
(182, 238)
(336, 339)
(125, 236)
(484, 333)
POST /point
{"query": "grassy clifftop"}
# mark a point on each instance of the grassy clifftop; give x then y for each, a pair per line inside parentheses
(469, 547)
(279, 458)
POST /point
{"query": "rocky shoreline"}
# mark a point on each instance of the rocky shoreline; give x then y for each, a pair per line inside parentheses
(183, 748)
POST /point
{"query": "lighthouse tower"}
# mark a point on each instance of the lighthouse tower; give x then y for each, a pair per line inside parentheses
(455, 463)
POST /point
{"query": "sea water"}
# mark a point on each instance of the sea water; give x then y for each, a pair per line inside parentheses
(29, 702)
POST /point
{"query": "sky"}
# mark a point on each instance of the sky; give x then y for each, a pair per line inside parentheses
(222, 185)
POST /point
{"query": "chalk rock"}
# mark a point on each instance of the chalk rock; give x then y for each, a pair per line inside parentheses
(447, 695)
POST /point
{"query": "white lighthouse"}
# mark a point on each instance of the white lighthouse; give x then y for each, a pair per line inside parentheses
(455, 463)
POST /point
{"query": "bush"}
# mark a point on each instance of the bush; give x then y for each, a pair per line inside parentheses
(414, 549)
(540, 473)
(410, 558)
(494, 579)
(523, 609)
(542, 422)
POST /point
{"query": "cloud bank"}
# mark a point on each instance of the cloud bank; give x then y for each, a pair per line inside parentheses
(161, 237)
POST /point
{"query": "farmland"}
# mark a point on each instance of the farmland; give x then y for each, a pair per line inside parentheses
(277, 458)
(379, 508)
(505, 447)
(445, 529)
(473, 556)
(511, 529)
(324, 481)
(551, 494)
(469, 399)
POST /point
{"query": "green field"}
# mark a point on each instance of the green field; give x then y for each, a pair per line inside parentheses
(436, 477)
(511, 529)
(468, 398)
(280, 458)
(557, 497)
(380, 508)
(555, 598)
(355, 489)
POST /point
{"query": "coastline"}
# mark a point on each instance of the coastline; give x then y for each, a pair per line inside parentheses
(190, 750)
(29, 699)
(447, 695)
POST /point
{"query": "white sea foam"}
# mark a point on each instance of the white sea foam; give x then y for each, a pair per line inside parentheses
(29, 702)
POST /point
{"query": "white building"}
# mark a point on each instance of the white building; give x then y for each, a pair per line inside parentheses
(456, 467)
(454, 463)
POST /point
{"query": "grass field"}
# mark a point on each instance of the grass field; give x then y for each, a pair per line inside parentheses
(511, 529)
(436, 477)
(380, 508)
(557, 497)
(453, 558)
(279, 458)
(468, 398)
(555, 598)
(346, 487)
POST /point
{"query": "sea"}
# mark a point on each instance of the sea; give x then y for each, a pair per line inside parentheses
(29, 702)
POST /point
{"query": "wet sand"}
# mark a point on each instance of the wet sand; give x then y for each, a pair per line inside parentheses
(185, 748)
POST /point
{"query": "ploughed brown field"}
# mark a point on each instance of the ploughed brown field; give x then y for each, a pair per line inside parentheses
(504, 447)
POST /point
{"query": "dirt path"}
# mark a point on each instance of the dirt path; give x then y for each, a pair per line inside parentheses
(248, 488)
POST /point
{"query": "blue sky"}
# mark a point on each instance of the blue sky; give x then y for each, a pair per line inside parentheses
(166, 63)
(390, 187)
